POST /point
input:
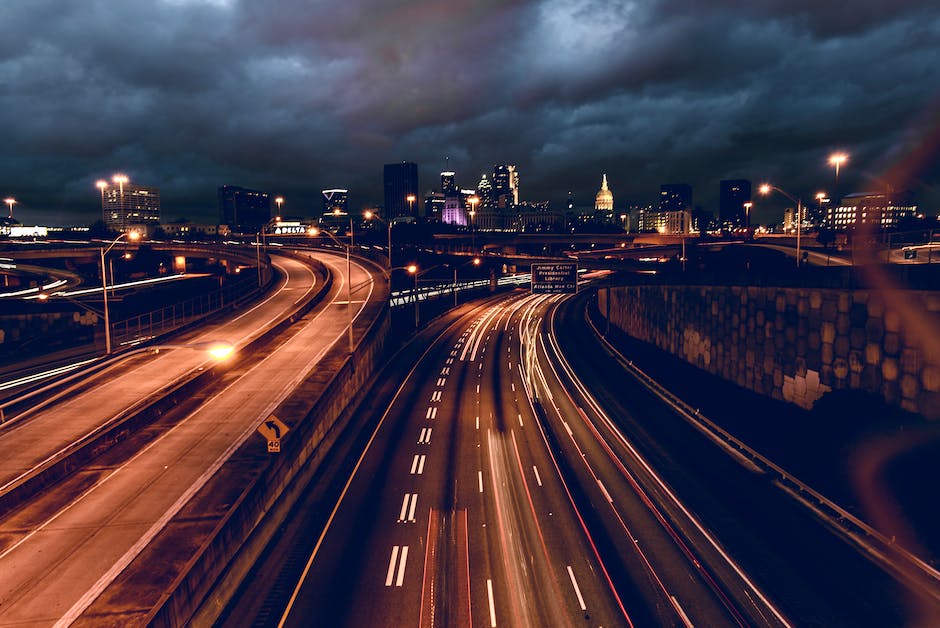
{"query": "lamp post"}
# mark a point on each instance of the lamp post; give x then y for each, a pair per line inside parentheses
(131, 235)
(747, 214)
(413, 269)
(314, 232)
(473, 200)
(369, 215)
(765, 190)
(121, 179)
(837, 160)
(411, 198)
(102, 185)
(11, 202)
(623, 221)
(279, 201)
(475, 261)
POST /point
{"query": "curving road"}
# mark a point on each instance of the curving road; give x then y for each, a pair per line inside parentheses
(62, 551)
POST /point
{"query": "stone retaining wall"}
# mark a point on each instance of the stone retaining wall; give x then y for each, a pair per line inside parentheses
(795, 344)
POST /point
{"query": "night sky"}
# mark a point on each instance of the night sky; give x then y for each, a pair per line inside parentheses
(293, 96)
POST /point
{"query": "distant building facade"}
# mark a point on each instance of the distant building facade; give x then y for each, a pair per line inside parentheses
(243, 209)
(732, 195)
(675, 197)
(133, 206)
(401, 182)
(874, 209)
(505, 185)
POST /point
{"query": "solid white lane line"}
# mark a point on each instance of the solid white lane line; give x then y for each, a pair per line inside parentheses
(414, 464)
(537, 477)
(489, 592)
(577, 590)
(391, 567)
(401, 566)
(404, 507)
(421, 465)
(685, 618)
(480, 476)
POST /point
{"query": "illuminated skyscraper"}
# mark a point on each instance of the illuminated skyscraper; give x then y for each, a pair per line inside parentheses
(448, 182)
(732, 195)
(335, 202)
(401, 181)
(675, 197)
(134, 206)
(505, 185)
(243, 209)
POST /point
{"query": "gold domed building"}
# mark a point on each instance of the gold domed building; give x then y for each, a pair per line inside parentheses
(604, 201)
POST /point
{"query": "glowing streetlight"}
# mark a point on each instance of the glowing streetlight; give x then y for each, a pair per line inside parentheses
(623, 221)
(413, 269)
(747, 214)
(765, 189)
(837, 160)
(279, 201)
(411, 198)
(11, 202)
(475, 261)
(369, 215)
(132, 236)
(473, 200)
(121, 179)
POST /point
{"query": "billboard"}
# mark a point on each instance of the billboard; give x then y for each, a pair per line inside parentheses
(555, 278)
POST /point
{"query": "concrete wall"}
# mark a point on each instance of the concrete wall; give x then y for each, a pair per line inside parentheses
(795, 344)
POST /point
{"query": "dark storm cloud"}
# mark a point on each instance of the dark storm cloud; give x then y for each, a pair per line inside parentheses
(296, 95)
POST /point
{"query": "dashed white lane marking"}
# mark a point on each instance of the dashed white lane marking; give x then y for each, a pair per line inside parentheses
(408, 504)
(425, 437)
(577, 590)
(537, 477)
(445, 371)
(480, 476)
(478, 422)
(390, 576)
(436, 396)
(520, 421)
(489, 592)
(604, 491)
(441, 382)
(417, 465)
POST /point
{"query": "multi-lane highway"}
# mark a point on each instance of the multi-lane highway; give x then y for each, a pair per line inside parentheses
(484, 497)
(63, 547)
(520, 476)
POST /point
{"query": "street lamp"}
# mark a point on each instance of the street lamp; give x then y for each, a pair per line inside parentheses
(475, 261)
(279, 201)
(315, 232)
(623, 221)
(837, 160)
(411, 198)
(473, 200)
(413, 269)
(820, 197)
(369, 215)
(121, 179)
(747, 214)
(102, 185)
(130, 235)
(11, 202)
(765, 190)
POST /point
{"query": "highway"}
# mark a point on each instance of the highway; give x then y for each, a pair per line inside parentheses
(486, 497)
(65, 548)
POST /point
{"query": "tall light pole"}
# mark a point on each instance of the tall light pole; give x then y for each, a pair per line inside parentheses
(279, 201)
(413, 269)
(121, 179)
(411, 198)
(473, 200)
(475, 261)
(820, 197)
(102, 185)
(314, 232)
(623, 221)
(369, 215)
(132, 235)
(747, 214)
(11, 202)
(765, 190)
(837, 160)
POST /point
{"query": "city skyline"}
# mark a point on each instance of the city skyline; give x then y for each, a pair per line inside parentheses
(300, 99)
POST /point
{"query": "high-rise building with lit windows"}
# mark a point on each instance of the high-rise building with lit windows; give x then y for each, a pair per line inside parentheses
(878, 209)
(675, 197)
(243, 209)
(401, 182)
(130, 205)
(732, 195)
(505, 185)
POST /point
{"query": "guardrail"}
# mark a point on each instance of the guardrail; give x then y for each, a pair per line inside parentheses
(908, 566)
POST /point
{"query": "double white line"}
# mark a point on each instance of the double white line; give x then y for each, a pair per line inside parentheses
(390, 577)
(408, 506)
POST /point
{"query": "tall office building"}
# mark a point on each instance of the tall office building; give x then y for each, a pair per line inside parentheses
(335, 202)
(675, 197)
(448, 182)
(401, 182)
(243, 209)
(505, 185)
(732, 195)
(130, 205)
